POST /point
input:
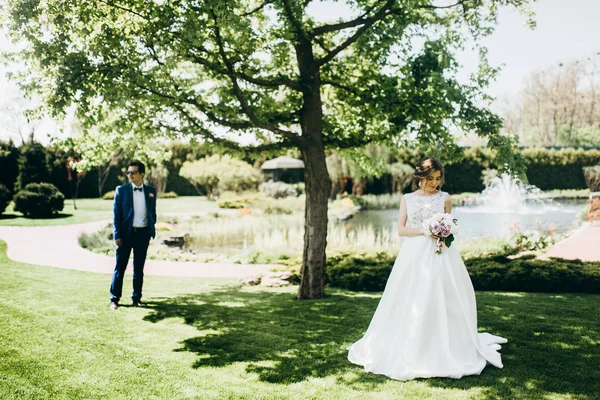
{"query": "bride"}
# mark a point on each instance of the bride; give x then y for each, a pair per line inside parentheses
(426, 322)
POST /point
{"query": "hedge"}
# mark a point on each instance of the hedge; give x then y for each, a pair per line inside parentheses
(370, 273)
(546, 168)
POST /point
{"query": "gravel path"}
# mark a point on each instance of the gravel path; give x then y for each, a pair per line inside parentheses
(584, 244)
(57, 246)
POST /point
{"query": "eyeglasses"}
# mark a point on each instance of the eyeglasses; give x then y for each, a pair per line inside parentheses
(131, 172)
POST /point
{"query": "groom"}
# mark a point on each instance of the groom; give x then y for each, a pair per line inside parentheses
(134, 218)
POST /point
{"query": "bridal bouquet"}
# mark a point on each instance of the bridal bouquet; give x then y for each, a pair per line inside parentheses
(444, 226)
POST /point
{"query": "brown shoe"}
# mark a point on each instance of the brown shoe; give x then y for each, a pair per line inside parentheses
(113, 305)
(139, 304)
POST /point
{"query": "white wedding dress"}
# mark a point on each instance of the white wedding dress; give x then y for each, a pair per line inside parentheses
(426, 322)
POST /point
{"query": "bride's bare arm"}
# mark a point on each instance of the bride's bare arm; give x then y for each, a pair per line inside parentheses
(402, 229)
(448, 205)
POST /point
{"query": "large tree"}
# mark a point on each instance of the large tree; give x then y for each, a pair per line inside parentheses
(269, 68)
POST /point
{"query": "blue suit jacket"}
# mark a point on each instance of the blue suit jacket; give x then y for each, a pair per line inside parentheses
(123, 210)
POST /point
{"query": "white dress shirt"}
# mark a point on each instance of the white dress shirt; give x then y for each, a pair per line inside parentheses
(140, 215)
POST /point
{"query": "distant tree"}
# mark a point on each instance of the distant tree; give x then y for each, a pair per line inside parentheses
(559, 106)
(219, 173)
(33, 166)
(9, 164)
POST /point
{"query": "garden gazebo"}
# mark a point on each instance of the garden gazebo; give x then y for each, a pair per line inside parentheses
(284, 169)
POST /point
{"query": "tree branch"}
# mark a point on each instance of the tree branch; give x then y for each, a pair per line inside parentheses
(125, 9)
(300, 34)
(379, 15)
(257, 9)
(238, 91)
(268, 83)
(340, 86)
(429, 6)
(342, 25)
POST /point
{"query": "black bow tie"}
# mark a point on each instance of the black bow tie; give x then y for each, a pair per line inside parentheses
(134, 189)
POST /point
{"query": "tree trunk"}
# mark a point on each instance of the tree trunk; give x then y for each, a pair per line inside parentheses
(317, 181)
(318, 186)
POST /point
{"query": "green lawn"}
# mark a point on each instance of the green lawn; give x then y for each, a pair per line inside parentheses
(209, 338)
(89, 210)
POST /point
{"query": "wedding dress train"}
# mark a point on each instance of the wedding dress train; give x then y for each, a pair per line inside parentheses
(426, 322)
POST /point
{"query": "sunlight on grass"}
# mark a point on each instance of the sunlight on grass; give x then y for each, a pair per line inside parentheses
(211, 338)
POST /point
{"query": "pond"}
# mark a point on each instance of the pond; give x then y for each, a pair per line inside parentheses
(478, 221)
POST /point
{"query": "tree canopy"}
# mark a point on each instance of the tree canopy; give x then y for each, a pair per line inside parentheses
(271, 69)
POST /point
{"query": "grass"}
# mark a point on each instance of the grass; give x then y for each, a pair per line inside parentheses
(89, 210)
(211, 339)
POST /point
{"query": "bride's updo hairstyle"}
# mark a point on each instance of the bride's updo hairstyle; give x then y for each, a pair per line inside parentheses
(425, 167)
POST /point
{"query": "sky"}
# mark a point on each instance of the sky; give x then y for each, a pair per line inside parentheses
(566, 30)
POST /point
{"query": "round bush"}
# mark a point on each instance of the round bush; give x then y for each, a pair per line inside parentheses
(5, 198)
(39, 200)
(277, 190)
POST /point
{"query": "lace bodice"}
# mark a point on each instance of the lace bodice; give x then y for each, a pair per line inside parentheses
(419, 208)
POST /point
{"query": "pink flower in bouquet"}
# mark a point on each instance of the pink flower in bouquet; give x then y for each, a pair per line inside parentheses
(446, 231)
(436, 229)
(442, 226)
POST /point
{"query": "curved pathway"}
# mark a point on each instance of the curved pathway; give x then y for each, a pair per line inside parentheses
(57, 246)
(584, 244)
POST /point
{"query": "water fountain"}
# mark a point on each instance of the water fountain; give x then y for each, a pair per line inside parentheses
(507, 194)
(507, 205)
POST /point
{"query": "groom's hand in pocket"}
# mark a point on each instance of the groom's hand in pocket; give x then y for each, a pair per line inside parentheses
(118, 242)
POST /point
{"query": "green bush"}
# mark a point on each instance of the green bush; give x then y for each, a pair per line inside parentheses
(370, 273)
(592, 177)
(277, 190)
(109, 195)
(220, 173)
(528, 275)
(237, 202)
(100, 242)
(381, 201)
(39, 200)
(5, 198)
(33, 166)
(359, 272)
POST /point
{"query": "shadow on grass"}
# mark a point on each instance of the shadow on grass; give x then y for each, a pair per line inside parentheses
(552, 347)
(54, 216)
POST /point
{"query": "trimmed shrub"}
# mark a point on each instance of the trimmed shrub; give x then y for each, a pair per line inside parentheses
(277, 190)
(370, 273)
(33, 166)
(5, 198)
(109, 195)
(592, 177)
(528, 275)
(361, 272)
(39, 200)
